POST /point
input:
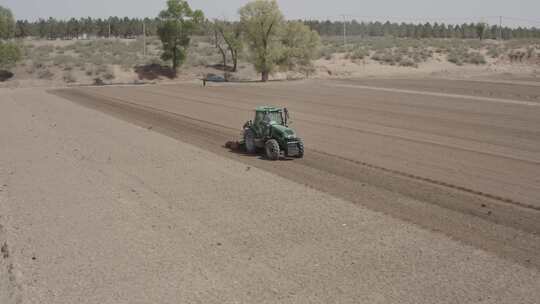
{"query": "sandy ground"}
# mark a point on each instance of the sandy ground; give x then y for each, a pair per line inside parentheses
(97, 210)
(486, 141)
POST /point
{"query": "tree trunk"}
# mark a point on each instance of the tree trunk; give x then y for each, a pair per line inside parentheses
(234, 56)
(264, 76)
(175, 64)
(224, 55)
(222, 51)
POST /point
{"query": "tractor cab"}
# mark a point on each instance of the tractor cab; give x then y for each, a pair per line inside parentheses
(265, 117)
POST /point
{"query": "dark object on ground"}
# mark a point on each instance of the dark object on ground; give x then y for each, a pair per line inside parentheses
(98, 82)
(215, 78)
(5, 75)
(154, 71)
(233, 145)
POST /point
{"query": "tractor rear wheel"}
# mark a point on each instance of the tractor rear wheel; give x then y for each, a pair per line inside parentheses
(300, 149)
(249, 140)
(272, 149)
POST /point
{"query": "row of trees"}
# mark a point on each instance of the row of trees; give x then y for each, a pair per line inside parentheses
(128, 27)
(427, 30)
(73, 28)
(272, 42)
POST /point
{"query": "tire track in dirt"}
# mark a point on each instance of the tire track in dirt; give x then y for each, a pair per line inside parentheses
(447, 95)
(356, 130)
(365, 164)
(528, 135)
(345, 178)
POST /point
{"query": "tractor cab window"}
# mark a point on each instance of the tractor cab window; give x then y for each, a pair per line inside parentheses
(276, 117)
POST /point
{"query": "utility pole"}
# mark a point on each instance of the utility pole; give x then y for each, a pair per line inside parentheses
(109, 30)
(500, 28)
(144, 38)
(344, 30)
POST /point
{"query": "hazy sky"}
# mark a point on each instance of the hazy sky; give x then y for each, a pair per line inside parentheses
(449, 11)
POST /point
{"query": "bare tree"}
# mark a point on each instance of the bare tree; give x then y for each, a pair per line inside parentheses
(219, 42)
(231, 33)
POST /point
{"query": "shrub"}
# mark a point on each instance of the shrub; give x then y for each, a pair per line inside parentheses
(407, 62)
(476, 58)
(105, 72)
(494, 52)
(69, 77)
(9, 55)
(327, 51)
(359, 53)
(530, 52)
(43, 51)
(109, 75)
(100, 69)
(462, 56)
(63, 60)
(45, 74)
(387, 57)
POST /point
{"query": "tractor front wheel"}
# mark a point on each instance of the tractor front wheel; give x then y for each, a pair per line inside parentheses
(272, 149)
(249, 140)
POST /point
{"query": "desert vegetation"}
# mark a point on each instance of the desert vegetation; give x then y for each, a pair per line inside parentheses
(182, 40)
(412, 52)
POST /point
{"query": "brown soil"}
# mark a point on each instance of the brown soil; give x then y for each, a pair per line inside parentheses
(94, 209)
(476, 154)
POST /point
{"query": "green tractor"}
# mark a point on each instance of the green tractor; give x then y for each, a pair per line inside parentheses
(270, 131)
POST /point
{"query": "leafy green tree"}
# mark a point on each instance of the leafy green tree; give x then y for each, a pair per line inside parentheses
(481, 30)
(300, 46)
(7, 23)
(178, 23)
(262, 21)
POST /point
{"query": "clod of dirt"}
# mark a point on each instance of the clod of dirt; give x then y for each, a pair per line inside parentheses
(5, 251)
(219, 244)
(483, 205)
(34, 258)
(232, 145)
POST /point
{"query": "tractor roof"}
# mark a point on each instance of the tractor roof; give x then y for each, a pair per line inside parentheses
(268, 109)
